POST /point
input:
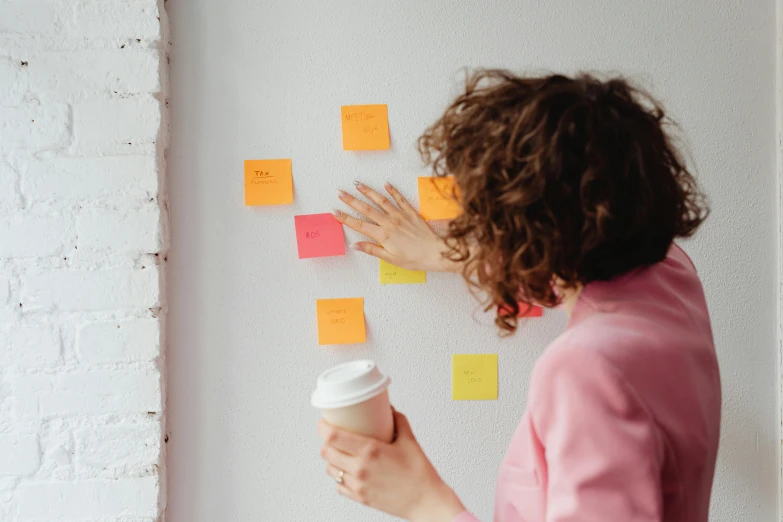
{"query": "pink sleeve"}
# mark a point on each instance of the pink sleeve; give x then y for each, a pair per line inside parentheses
(601, 448)
(465, 517)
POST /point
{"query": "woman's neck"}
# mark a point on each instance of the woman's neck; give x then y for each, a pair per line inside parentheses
(568, 297)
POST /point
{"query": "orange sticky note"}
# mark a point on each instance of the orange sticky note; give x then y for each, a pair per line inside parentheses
(268, 182)
(365, 127)
(340, 321)
(437, 198)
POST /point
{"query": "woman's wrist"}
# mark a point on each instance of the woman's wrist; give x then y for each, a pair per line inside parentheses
(447, 265)
(439, 260)
(440, 504)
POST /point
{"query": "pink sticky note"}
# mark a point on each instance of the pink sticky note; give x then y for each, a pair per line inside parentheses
(534, 311)
(319, 235)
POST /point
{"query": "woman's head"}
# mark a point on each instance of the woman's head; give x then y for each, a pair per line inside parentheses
(569, 179)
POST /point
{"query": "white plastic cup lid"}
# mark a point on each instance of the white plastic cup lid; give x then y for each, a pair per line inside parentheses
(348, 384)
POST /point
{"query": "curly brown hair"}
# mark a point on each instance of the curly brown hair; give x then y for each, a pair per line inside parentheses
(558, 177)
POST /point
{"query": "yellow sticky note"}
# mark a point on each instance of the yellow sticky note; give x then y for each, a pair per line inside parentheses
(365, 127)
(474, 377)
(340, 321)
(268, 182)
(437, 198)
(394, 275)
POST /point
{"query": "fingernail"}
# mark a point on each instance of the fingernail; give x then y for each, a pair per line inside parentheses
(341, 194)
(359, 185)
(337, 213)
(357, 247)
(387, 185)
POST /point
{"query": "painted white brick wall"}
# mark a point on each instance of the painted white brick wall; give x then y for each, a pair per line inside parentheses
(136, 340)
(89, 500)
(83, 133)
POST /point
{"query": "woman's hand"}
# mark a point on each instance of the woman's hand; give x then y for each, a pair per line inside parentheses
(405, 239)
(395, 478)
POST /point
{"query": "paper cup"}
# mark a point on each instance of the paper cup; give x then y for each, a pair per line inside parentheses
(353, 396)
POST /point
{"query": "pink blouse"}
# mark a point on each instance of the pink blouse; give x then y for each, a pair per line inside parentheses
(623, 414)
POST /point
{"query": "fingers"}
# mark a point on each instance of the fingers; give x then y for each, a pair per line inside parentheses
(344, 491)
(373, 250)
(345, 441)
(349, 481)
(370, 230)
(379, 199)
(406, 207)
(403, 426)
(340, 460)
(363, 208)
(350, 486)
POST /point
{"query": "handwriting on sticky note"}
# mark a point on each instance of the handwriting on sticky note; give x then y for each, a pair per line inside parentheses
(394, 275)
(341, 321)
(438, 198)
(268, 182)
(319, 235)
(525, 310)
(474, 377)
(365, 127)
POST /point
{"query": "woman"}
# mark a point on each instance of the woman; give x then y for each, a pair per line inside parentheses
(572, 194)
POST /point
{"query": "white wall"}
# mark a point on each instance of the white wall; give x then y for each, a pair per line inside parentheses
(266, 80)
(82, 131)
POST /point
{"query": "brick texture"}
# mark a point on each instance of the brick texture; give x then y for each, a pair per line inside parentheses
(118, 341)
(23, 235)
(97, 392)
(125, 443)
(137, 231)
(68, 178)
(89, 499)
(83, 133)
(30, 346)
(92, 290)
(19, 454)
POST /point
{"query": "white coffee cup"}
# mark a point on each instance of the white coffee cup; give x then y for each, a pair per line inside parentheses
(354, 396)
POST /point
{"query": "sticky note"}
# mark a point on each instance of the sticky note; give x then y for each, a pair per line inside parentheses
(268, 182)
(534, 311)
(394, 275)
(319, 235)
(365, 127)
(437, 198)
(474, 377)
(340, 321)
